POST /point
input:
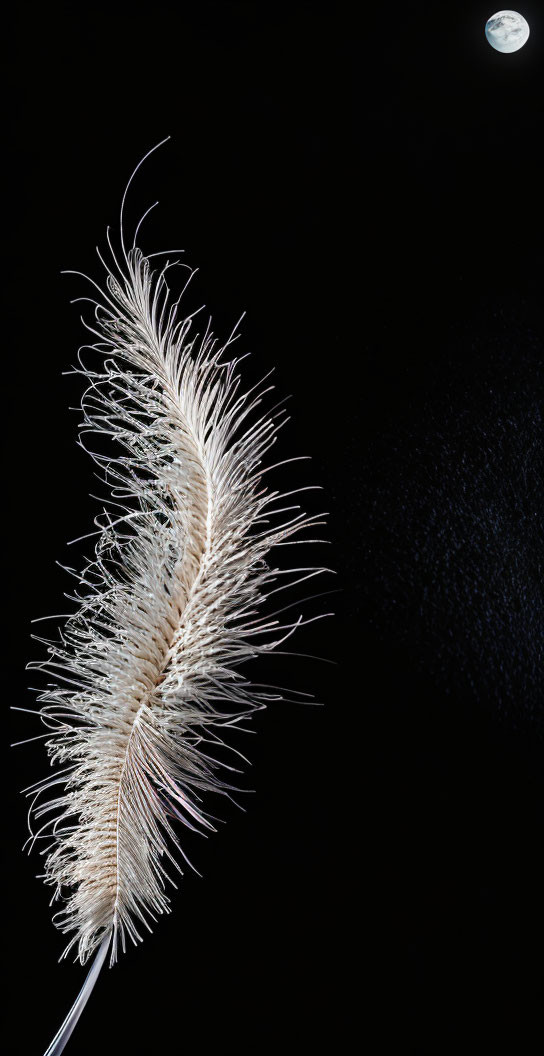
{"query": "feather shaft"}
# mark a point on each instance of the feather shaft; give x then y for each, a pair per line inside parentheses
(64, 1034)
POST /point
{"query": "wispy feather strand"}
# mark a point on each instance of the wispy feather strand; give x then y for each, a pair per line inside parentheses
(146, 672)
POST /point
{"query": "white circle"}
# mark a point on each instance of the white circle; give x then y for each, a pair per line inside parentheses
(507, 31)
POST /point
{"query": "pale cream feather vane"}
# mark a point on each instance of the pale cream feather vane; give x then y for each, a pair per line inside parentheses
(146, 681)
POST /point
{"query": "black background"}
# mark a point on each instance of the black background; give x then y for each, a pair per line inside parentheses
(369, 191)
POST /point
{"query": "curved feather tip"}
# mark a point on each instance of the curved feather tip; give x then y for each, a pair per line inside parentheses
(144, 681)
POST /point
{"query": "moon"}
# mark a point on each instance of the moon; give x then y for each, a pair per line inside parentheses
(507, 31)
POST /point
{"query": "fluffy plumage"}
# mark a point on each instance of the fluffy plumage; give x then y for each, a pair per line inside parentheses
(145, 674)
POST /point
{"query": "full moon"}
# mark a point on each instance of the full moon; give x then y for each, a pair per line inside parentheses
(507, 31)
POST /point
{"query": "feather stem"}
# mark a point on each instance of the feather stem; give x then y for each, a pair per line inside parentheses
(63, 1035)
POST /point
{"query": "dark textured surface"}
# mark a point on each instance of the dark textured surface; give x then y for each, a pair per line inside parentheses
(455, 550)
(372, 195)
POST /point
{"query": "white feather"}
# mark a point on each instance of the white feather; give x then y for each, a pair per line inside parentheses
(146, 675)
